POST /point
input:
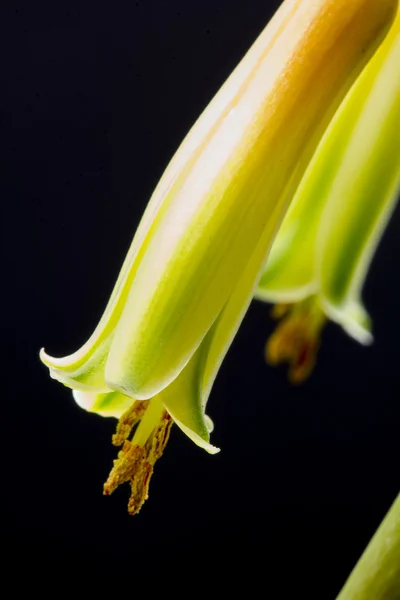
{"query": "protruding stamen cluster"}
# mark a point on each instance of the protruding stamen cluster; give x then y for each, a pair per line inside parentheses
(296, 339)
(135, 463)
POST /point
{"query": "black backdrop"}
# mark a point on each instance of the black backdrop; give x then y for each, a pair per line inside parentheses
(95, 98)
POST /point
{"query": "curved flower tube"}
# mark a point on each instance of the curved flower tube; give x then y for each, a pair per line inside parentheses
(321, 255)
(190, 273)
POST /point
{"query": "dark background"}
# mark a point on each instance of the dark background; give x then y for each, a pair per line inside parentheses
(95, 98)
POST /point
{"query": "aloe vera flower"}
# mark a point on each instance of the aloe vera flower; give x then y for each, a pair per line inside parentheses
(320, 258)
(192, 268)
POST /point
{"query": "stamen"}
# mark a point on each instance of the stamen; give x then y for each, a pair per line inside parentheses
(152, 452)
(140, 487)
(135, 462)
(296, 339)
(128, 420)
(278, 311)
(125, 466)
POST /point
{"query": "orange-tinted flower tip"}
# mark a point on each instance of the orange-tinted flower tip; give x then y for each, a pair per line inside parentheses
(296, 340)
(135, 463)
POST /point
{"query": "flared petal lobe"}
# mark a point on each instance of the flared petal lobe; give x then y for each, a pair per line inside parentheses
(183, 400)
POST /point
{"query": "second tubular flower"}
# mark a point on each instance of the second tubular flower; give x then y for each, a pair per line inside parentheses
(321, 255)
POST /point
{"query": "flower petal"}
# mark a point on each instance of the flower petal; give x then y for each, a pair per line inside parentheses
(367, 176)
(289, 274)
(111, 404)
(184, 401)
(78, 370)
(248, 163)
(353, 318)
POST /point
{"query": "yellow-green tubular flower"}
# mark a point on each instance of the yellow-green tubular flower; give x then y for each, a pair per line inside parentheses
(191, 270)
(321, 255)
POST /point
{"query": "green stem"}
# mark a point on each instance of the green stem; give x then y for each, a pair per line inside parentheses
(376, 576)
